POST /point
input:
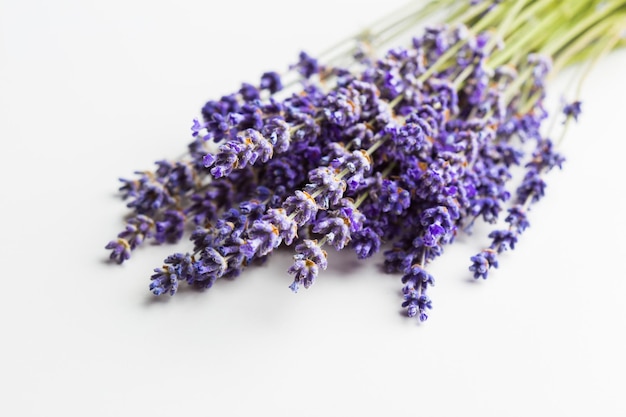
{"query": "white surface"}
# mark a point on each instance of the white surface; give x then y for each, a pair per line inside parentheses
(91, 91)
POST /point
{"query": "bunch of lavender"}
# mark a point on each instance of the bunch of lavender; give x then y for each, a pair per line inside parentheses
(401, 151)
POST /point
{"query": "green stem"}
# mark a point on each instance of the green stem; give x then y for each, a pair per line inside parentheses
(519, 44)
(594, 34)
(390, 23)
(603, 49)
(527, 14)
(582, 25)
(471, 13)
(409, 22)
(505, 25)
(452, 51)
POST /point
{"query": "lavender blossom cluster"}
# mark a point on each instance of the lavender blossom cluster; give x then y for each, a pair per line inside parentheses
(396, 154)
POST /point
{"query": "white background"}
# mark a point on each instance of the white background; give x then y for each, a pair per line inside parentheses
(92, 90)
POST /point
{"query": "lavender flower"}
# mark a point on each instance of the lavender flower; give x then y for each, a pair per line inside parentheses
(277, 132)
(326, 185)
(302, 206)
(517, 219)
(439, 225)
(503, 240)
(308, 260)
(358, 163)
(263, 238)
(148, 194)
(483, 262)
(177, 267)
(366, 242)
(138, 229)
(211, 266)
(120, 250)
(171, 228)
(532, 187)
(286, 226)
(307, 65)
(573, 110)
(417, 280)
(271, 81)
(336, 229)
(248, 146)
(410, 148)
(164, 280)
(342, 107)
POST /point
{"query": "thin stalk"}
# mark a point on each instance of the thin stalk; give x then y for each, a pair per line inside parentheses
(520, 44)
(582, 43)
(609, 44)
(579, 28)
(505, 25)
(471, 13)
(527, 14)
(392, 21)
(451, 52)
(409, 22)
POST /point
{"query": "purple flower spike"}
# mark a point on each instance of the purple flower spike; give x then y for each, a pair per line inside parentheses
(308, 261)
(249, 92)
(417, 277)
(301, 206)
(483, 262)
(416, 304)
(573, 110)
(150, 196)
(278, 133)
(517, 219)
(164, 280)
(342, 107)
(439, 225)
(263, 148)
(329, 186)
(178, 267)
(138, 229)
(307, 65)
(248, 146)
(120, 250)
(433, 234)
(533, 187)
(309, 249)
(211, 266)
(503, 240)
(336, 230)
(226, 160)
(365, 243)
(545, 157)
(171, 228)
(287, 227)
(357, 163)
(271, 81)
(263, 237)
(351, 215)
(305, 272)
(408, 138)
(488, 207)
(417, 280)
(180, 178)
(197, 127)
(393, 198)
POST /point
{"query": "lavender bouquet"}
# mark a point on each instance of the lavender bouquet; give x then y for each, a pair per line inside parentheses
(356, 149)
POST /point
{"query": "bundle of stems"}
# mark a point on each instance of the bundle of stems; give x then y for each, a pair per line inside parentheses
(390, 140)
